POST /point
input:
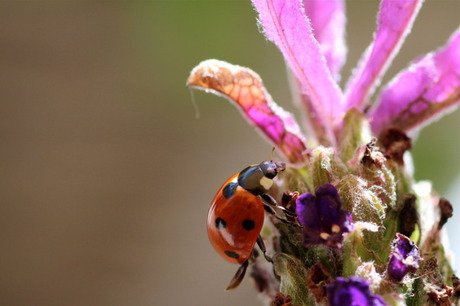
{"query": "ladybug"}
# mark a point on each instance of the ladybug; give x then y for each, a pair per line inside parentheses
(236, 215)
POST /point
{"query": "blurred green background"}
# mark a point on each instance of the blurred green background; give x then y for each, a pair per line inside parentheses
(107, 175)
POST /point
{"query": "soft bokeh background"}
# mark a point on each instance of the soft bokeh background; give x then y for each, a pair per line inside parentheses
(107, 175)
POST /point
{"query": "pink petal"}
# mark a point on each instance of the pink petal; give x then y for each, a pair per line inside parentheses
(284, 22)
(245, 88)
(316, 131)
(395, 20)
(422, 92)
(328, 23)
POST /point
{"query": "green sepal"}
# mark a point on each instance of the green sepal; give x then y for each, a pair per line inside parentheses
(293, 278)
(298, 179)
(325, 167)
(352, 247)
(362, 202)
(355, 132)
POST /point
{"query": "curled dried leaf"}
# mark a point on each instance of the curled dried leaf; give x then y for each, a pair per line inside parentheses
(395, 143)
(317, 279)
(446, 211)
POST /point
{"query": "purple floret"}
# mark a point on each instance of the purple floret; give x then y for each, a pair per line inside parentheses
(404, 258)
(322, 217)
(352, 291)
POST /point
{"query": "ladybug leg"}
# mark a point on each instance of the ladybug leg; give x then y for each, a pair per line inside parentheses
(272, 212)
(238, 277)
(271, 201)
(261, 244)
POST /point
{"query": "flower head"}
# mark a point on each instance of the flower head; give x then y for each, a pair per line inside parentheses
(322, 217)
(356, 139)
(404, 258)
(352, 291)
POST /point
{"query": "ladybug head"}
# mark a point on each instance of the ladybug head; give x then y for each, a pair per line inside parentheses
(271, 169)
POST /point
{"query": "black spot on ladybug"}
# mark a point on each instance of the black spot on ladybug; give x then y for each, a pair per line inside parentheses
(248, 225)
(229, 190)
(220, 223)
(232, 254)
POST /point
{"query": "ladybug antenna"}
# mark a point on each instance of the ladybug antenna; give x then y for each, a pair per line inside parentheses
(273, 151)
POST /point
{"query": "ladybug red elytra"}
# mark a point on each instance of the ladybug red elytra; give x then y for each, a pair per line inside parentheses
(236, 215)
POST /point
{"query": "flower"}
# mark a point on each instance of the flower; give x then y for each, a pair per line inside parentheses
(404, 258)
(322, 217)
(356, 146)
(352, 291)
